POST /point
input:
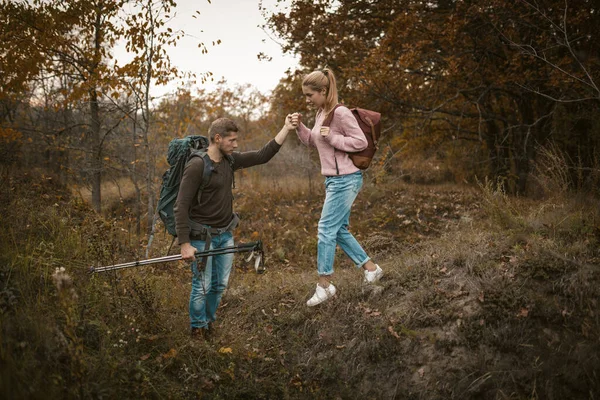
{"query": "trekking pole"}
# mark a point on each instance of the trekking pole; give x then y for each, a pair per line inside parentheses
(255, 248)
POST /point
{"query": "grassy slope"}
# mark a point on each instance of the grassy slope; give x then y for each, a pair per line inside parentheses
(483, 297)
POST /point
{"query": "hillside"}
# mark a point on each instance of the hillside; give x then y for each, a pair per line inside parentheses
(484, 297)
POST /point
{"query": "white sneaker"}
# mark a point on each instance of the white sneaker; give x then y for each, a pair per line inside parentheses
(373, 276)
(321, 294)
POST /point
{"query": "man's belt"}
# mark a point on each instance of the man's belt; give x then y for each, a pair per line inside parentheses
(205, 233)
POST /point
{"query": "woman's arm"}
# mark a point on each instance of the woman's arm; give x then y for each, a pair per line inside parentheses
(301, 129)
(345, 134)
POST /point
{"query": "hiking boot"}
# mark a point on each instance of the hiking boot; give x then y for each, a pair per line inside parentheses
(199, 334)
(321, 294)
(373, 276)
(209, 331)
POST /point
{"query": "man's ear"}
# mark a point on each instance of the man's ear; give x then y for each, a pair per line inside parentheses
(217, 138)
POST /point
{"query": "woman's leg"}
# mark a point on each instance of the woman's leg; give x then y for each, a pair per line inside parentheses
(340, 194)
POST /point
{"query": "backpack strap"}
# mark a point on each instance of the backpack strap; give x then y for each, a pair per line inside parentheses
(208, 166)
(329, 117)
(231, 164)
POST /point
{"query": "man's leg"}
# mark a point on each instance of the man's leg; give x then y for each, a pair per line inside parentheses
(201, 281)
(221, 269)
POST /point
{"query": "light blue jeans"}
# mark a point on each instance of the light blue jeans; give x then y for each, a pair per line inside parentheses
(340, 192)
(208, 285)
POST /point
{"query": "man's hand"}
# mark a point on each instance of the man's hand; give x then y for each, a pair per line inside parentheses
(188, 252)
(290, 124)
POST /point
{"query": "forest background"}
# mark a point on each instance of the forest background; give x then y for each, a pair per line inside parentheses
(482, 202)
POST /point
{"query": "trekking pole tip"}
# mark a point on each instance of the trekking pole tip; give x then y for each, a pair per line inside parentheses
(259, 266)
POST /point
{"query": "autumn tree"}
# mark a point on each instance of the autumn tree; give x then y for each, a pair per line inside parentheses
(66, 47)
(453, 71)
(147, 38)
(70, 39)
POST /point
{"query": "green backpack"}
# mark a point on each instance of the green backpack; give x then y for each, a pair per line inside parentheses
(180, 151)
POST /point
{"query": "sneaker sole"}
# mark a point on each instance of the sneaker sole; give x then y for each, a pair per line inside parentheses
(320, 302)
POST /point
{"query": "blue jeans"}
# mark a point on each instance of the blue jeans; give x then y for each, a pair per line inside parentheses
(340, 192)
(208, 285)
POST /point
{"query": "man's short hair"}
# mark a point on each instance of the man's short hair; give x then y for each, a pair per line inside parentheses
(223, 127)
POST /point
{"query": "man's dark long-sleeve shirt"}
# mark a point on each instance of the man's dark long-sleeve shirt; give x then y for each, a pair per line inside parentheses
(213, 206)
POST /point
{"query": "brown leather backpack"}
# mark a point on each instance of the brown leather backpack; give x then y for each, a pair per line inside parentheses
(370, 123)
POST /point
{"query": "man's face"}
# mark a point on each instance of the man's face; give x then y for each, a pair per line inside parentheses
(227, 144)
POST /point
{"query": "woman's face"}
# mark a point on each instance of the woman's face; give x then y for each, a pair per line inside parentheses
(314, 98)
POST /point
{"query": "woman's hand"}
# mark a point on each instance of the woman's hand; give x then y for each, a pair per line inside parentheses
(292, 121)
(296, 119)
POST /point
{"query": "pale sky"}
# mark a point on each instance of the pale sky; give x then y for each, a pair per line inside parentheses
(235, 23)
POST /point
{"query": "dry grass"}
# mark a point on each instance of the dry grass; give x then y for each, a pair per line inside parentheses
(484, 296)
(111, 191)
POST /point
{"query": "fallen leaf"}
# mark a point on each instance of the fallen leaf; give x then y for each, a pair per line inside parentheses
(393, 332)
(296, 381)
(523, 313)
(170, 354)
(207, 385)
(225, 350)
(421, 371)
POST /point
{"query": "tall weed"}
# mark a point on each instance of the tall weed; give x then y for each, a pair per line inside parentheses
(502, 208)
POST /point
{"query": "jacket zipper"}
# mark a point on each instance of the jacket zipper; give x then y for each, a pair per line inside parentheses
(337, 170)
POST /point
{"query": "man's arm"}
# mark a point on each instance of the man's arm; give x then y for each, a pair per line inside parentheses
(188, 190)
(287, 127)
(257, 157)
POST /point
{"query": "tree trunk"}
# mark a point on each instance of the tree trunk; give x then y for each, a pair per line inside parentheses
(95, 139)
(96, 155)
(134, 177)
(147, 120)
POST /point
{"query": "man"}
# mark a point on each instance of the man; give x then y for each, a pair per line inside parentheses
(205, 219)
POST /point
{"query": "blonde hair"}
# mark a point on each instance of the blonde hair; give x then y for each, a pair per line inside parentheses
(319, 80)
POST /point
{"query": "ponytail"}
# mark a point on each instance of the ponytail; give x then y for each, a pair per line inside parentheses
(332, 94)
(317, 80)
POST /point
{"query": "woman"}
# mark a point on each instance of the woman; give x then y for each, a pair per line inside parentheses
(343, 180)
